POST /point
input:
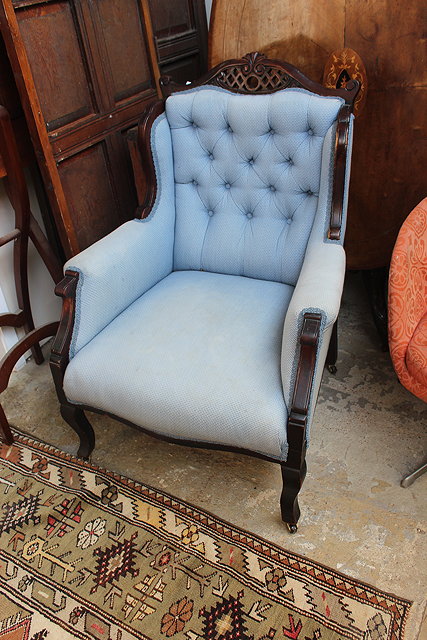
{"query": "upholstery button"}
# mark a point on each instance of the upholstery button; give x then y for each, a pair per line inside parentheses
(211, 156)
(288, 221)
(251, 161)
(249, 215)
(194, 125)
(227, 185)
(210, 213)
(195, 183)
(272, 188)
(230, 129)
(290, 161)
(271, 131)
(309, 192)
(310, 132)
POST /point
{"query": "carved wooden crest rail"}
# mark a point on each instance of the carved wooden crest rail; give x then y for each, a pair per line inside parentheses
(253, 76)
(255, 73)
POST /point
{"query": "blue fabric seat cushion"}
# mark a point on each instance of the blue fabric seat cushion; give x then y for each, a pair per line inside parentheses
(196, 357)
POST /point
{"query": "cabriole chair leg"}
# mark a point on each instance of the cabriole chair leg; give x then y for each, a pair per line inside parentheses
(292, 481)
(332, 355)
(76, 418)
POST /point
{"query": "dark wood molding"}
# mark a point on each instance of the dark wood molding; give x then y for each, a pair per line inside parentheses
(148, 171)
(255, 73)
(59, 358)
(294, 469)
(181, 33)
(340, 165)
(59, 355)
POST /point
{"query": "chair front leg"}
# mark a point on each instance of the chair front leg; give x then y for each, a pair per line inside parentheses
(77, 420)
(294, 468)
(59, 359)
(293, 473)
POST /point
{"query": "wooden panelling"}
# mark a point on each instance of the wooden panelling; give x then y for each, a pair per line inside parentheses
(85, 71)
(171, 18)
(88, 187)
(390, 38)
(390, 150)
(302, 33)
(57, 62)
(390, 156)
(181, 35)
(388, 173)
(124, 41)
(182, 69)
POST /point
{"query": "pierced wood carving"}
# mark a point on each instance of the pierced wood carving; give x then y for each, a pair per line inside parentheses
(255, 73)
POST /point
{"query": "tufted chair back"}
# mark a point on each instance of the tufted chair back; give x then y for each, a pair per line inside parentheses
(248, 170)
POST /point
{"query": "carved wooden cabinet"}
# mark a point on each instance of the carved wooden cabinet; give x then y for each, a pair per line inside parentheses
(181, 33)
(85, 71)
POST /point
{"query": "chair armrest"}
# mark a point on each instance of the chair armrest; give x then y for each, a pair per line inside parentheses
(118, 269)
(115, 271)
(318, 290)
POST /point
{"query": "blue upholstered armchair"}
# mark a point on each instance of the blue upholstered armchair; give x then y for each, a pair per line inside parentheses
(207, 319)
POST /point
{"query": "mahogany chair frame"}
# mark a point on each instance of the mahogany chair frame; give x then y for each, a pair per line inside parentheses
(254, 73)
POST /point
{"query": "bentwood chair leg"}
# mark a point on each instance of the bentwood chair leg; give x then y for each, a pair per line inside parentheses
(5, 431)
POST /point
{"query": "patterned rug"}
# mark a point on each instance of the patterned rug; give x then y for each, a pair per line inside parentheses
(85, 553)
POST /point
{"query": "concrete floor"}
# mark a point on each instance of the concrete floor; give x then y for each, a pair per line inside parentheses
(368, 432)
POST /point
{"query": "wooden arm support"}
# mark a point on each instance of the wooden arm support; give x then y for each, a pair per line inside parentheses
(340, 163)
(294, 469)
(59, 359)
(59, 356)
(297, 420)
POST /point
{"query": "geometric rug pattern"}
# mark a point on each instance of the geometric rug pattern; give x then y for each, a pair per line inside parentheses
(85, 553)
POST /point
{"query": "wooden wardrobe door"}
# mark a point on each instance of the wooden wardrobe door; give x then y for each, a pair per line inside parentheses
(181, 33)
(85, 71)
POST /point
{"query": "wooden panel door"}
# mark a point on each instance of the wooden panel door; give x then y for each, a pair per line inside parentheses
(85, 71)
(181, 33)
